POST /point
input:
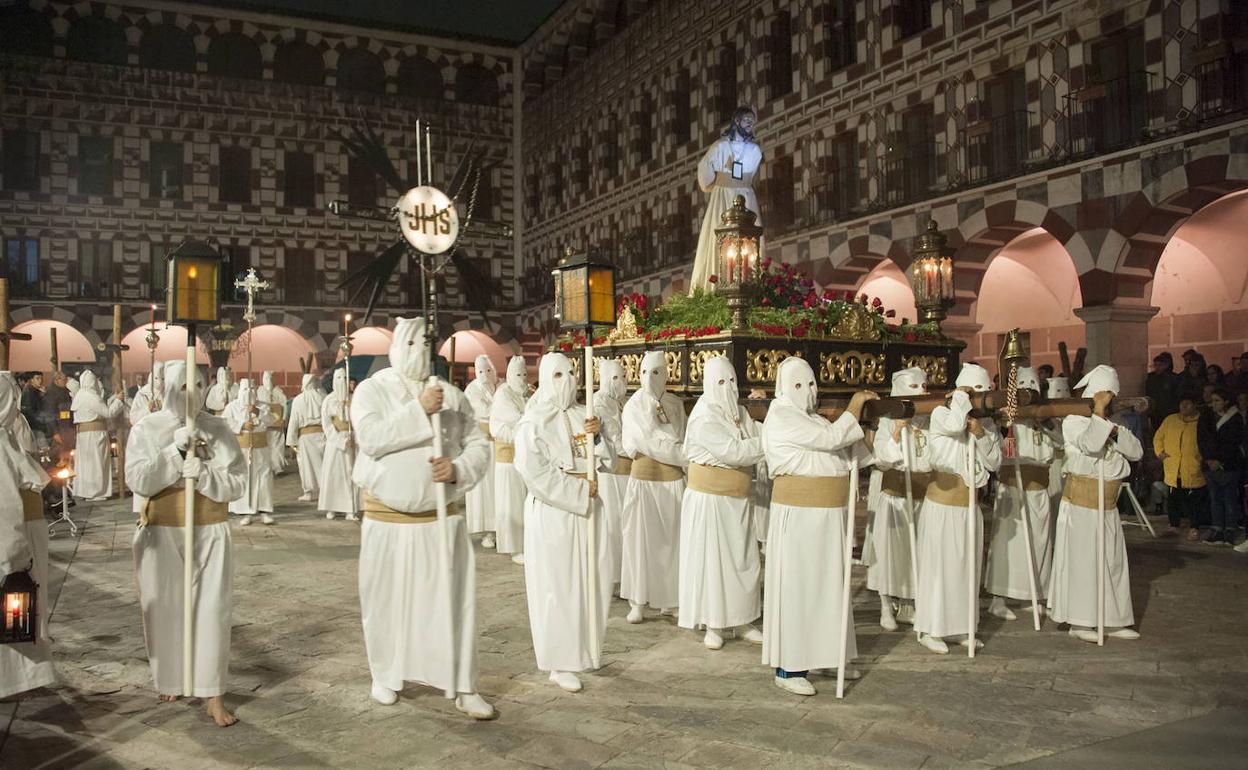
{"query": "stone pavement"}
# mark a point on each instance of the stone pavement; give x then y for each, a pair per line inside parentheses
(300, 681)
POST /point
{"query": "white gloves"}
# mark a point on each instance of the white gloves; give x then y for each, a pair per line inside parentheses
(182, 438)
(191, 467)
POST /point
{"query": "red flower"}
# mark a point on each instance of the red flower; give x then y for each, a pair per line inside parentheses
(765, 301)
(713, 279)
(877, 302)
(908, 336)
(890, 313)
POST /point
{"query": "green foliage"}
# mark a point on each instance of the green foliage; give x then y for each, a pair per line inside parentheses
(682, 311)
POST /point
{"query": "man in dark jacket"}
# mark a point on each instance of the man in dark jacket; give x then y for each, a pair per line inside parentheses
(1220, 436)
(57, 415)
(32, 406)
(1237, 380)
(1161, 385)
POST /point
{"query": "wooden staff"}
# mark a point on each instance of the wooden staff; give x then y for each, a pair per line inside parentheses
(907, 450)
(188, 527)
(55, 355)
(591, 474)
(847, 615)
(1027, 541)
(972, 549)
(1100, 553)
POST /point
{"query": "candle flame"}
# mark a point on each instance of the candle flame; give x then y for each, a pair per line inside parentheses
(348, 318)
(15, 603)
(193, 273)
(63, 473)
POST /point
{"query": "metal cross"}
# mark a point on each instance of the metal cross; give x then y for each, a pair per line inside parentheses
(251, 284)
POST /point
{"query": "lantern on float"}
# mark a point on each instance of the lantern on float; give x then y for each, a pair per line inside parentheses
(931, 275)
(19, 598)
(584, 292)
(738, 241)
(194, 285)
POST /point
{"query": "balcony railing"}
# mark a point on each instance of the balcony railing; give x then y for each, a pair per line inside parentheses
(910, 171)
(1109, 115)
(1221, 84)
(998, 147)
(834, 196)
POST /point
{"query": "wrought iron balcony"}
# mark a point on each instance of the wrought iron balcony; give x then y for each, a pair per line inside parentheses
(835, 195)
(1221, 83)
(1109, 115)
(910, 172)
(997, 147)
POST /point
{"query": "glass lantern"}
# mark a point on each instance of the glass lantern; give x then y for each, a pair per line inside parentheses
(18, 597)
(931, 275)
(584, 293)
(194, 293)
(738, 241)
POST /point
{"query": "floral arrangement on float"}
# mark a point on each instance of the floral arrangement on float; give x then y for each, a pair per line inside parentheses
(785, 303)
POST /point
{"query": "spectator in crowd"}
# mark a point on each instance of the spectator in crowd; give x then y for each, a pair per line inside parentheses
(1176, 446)
(1220, 435)
(32, 407)
(1192, 378)
(57, 415)
(1044, 372)
(1214, 375)
(1206, 396)
(1162, 387)
(1237, 380)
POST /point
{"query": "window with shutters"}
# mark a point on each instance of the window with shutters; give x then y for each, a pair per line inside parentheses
(840, 34)
(21, 265)
(234, 175)
(300, 276)
(96, 271)
(21, 160)
(95, 165)
(165, 170)
(299, 179)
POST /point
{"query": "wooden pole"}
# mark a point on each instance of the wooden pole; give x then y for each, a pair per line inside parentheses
(906, 448)
(847, 610)
(119, 386)
(4, 324)
(591, 475)
(1100, 553)
(56, 356)
(188, 530)
(972, 549)
(1027, 540)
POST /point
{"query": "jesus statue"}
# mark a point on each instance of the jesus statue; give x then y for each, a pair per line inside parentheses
(726, 171)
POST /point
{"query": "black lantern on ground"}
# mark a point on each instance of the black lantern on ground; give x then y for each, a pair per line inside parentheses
(584, 293)
(738, 241)
(194, 284)
(18, 597)
(931, 275)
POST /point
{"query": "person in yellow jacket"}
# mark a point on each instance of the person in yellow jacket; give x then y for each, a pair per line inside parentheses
(1176, 447)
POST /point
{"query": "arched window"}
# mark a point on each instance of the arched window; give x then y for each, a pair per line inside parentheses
(96, 39)
(359, 69)
(165, 47)
(23, 31)
(475, 84)
(420, 78)
(299, 63)
(233, 55)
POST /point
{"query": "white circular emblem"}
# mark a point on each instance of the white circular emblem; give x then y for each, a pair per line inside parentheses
(428, 220)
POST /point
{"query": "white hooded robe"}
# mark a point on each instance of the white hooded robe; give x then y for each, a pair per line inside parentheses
(274, 399)
(339, 494)
(612, 483)
(93, 461)
(480, 394)
(509, 491)
(257, 496)
(305, 433)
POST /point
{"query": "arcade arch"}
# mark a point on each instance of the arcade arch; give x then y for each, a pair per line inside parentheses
(273, 348)
(73, 348)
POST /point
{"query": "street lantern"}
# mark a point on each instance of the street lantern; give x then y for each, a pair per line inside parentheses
(931, 275)
(18, 595)
(584, 292)
(738, 241)
(194, 284)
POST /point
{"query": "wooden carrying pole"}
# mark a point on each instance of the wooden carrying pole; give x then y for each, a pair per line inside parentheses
(55, 356)
(119, 386)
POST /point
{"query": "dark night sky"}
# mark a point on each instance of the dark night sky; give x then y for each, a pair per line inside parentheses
(508, 21)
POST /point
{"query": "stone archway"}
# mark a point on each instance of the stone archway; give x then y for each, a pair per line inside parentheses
(75, 349)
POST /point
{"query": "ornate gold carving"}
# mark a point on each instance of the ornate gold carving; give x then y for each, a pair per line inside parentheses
(851, 367)
(760, 365)
(672, 357)
(934, 366)
(697, 363)
(625, 326)
(632, 367)
(858, 323)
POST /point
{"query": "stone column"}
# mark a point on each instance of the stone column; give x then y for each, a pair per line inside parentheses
(1118, 335)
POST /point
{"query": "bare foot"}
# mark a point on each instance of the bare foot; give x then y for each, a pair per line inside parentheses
(219, 713)
(168, 698)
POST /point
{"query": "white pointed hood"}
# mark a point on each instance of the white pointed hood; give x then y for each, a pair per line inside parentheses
(1059, 387)
(653, 377)
(795, 384)
(244, 392)
(612, 380)
(175, 390)
(719, 386)
(485, 370)
(975, 377)
(909, 382)
(556, 384)
(340, 384)
(518, 376)
(1100, 379)
(1028, 378)
(409, 350)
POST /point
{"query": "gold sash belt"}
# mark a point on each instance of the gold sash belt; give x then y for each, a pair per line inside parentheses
(32, 504)
(168, 509)
(1035, 477)
(92, 426)
(623, 467)
(811, 491)
(276, 411)
(378, 511)
(725, 179)
(342, 426)
(484, 425)
(649, 469)
(253, 439)
(1081, 491)
(310, 429)
(893, 483)
(504, 453)
(725, 482)
(948, 489)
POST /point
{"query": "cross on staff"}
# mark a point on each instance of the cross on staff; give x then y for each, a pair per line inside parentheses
(6, 335)
(251, 284)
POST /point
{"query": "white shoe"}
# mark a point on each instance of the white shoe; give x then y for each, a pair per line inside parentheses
(567, 681)
(306, 497)
(329, 515)
(384, 695)
(998, 609)
(713, 640)
(475, 706)
(1124, 633)
(937, 646)
(246, 522)
(352, 517)
(906, 613)
(796, 685)
(750, 634)
(887, 621)
(1242, 547)
(634, 613)
(487, 541)
(267, 518)
(851, 674)
(518, 558)
(669, 611)
(965, 641)
(1084, 634)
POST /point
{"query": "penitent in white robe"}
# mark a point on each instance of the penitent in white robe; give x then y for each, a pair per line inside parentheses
(722, 188)
(403, 594)
(945, 557)
(93, 460)
(886, 549)
(23, 544)
(719, 560)
(1072, 585)
(556, 532)
(480, 500)
(650, 555)
(509, 490)
(153, 464)
(802, 608)
(305, 411)
(272, 397)
(339, 494)
(612, 486)
(257, 495)
(1005, 573)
